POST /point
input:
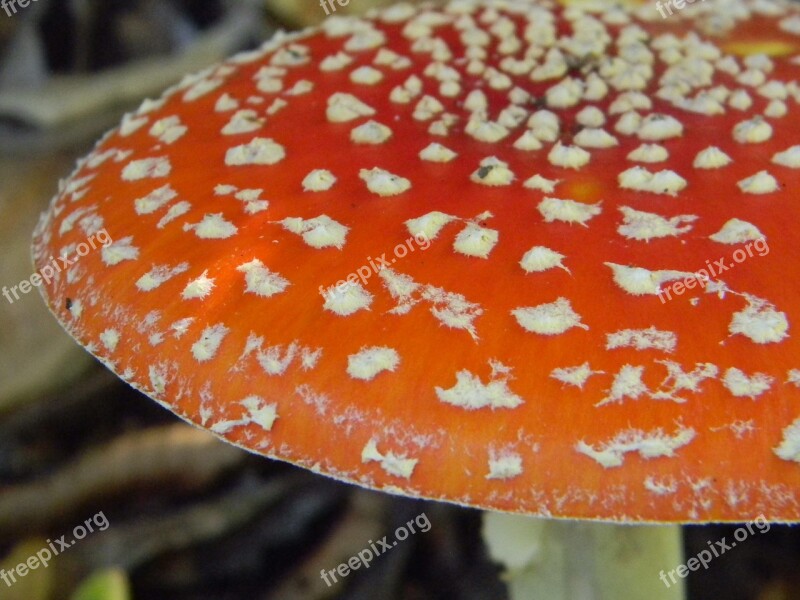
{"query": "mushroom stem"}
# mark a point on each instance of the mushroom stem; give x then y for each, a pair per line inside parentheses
(582, 560)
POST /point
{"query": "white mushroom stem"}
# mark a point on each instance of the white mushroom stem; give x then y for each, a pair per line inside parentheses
(584, 560)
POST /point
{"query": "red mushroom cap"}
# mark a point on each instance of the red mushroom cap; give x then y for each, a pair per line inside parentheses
(529, 208)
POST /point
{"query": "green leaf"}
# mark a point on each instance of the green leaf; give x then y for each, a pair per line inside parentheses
(111, 584)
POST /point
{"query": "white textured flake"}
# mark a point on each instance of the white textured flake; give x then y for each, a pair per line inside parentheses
(159, 275)
(201, 88)
(370, 132)
(243, 121)
(645, 226)
(568, 157)
(226, 103)
(210, 340)
(154, 200)
(213, 227)
(642, 180)
(224, 190)
(319, 180)
(788, 158)
(493, 172)
(484, 130)
(252, 200)
(793, 377)
(471, 393)
(528, 141)
(678, 380)
(384, 183)
(657, 127)
(504, 465)
(119, 251)
(365, 39)
(476, 241)
(576, 376)
(652, 444)
(752, 131)
(110, 339)
(568, 211)
(276, 106)
(659, 487)
(642, 339)
(398, 13)
(565, 93)
(427, 108)
(428, 225)
(168, 130)
(451, 309)
(628, 101)
(346, 107)
(542, 184)
(541, 258)
(181, 326)
(304, 86)
(175, 211)
(369, 362)
(760, 322)
(319, 232)
(259, 151)
(591, 116)
(789, 448)
(649, 153)
(198, 289)
(553, 318)
(740, 100)
(393, 464)
(628, 123)
(776, 109)
(260, 280)
(639, 281)
(435, 152)
(335, 62)
(627, 384)
(274, 360)
(131, 124)
(736, 231)
(146, 167)
(591, 137)
(347, 300)
(760, 183)
(259, 412)
(711, 158)
(742, 385)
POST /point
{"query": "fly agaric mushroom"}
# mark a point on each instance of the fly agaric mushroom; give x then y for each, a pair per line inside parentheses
(585, 285)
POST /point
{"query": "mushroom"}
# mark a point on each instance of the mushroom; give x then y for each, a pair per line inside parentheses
(516, 256)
